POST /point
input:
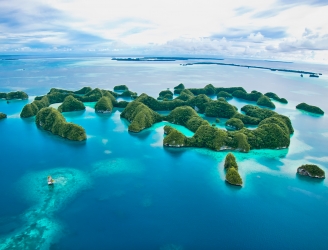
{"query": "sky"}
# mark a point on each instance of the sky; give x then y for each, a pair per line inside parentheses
(271, 29)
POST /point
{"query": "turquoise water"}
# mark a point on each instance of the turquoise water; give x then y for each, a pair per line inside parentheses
(121, 190)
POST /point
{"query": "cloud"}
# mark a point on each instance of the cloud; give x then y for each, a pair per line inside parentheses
(294, 29)
(258, 37)
(240, 33)
(243, 10)
(310, 40)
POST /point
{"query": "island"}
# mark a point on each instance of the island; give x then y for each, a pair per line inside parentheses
(2, 116)
(230, 161)
(311, 170)
(86, 94)
(187, 109)
(311, 74)
(165, 94)
(310, 108)
(33, 108)
(234, 123)
(232, 175)
(242, 94)
(140, 116)
(224, 94)
(71, 104)
(121, 88)
(104, 105)
(266, 102)
(53, 121)
(14, 95)
(128, 93)
(179, 88)
(276, 97)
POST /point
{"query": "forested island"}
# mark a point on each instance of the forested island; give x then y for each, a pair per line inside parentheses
(273, 130)
(311, 170)
(231, 166)
(310, 108)
(14, 95)
(2, 116)
(52, 120)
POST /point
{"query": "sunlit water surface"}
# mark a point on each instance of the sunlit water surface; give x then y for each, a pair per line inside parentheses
(120, 190)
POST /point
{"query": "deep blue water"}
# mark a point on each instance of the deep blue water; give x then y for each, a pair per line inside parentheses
(120, 190)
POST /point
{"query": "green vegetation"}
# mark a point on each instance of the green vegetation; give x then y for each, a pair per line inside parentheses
(199, 103)
(186, 116)
(230, 161)
(180, 86)
(185, 95)
(242, 143)
(122, 104)
(257, 112)
(83, 91)
(268, 136)
(234, 123)
(52, 120)
(276, 97)
(210, 137)
(2, 116)
(173, 137)
(92, 96)
(71, 104)
(14, 95)
(121, 88)
(224, 94)
(128, 93)
(104, 105)
(178, 89)
(86, 94)
(207, 90)
(32, 109)
(140, 116)
(219, 109)
(229, 90)
(253, 96)
(309, 108)
(311, 170)
(233, 177)
(247, 119)
(165, 94)
(265, 101)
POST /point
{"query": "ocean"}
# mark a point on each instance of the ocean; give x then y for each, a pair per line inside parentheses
(120, 190)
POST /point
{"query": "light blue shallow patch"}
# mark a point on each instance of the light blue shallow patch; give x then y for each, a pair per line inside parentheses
(41, 228)
(116, 166)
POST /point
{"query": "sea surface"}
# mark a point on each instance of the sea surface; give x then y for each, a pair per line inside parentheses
(119, 190)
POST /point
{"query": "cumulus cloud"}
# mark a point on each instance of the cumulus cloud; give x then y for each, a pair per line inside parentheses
(258, 37)
(310, 40)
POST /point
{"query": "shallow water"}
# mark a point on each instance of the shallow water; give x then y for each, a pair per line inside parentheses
(131, 193)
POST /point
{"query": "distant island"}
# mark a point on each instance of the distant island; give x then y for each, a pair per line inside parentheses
(161, 59)
(310, 108)
(311, 74)
(14, 95)
(311, 170)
